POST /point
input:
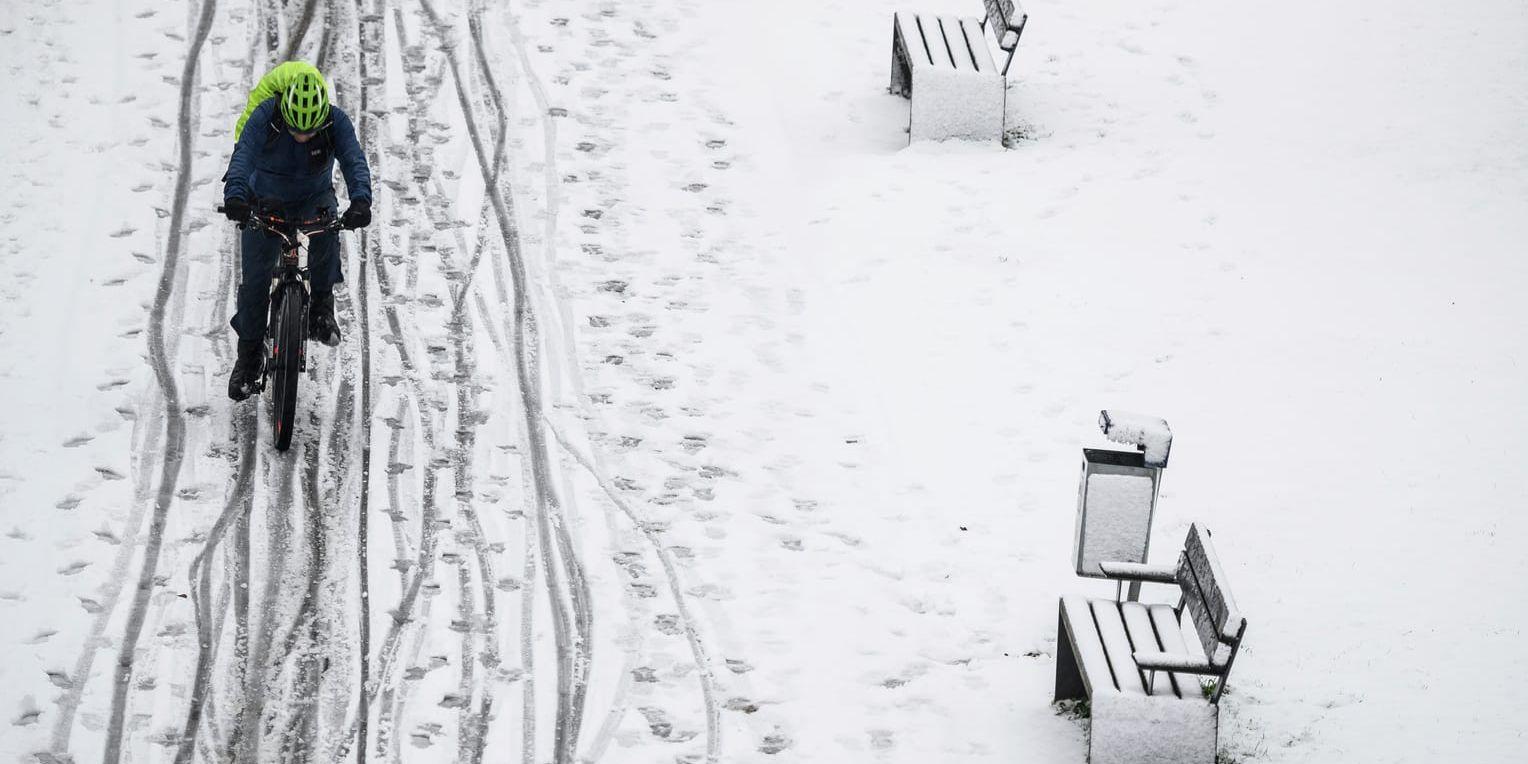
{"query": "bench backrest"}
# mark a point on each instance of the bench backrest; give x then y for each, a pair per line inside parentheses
(1003, 15)
(1207, 598)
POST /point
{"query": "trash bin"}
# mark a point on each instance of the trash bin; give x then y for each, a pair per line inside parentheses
(1115, 502)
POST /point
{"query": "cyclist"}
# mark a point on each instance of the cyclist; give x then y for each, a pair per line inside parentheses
(288, 139)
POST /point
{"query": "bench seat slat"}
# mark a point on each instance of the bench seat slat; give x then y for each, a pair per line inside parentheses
(946, 42)
(1090, 651)
(1111, 628)
(1188, 664)
(1143, 637)
(1135, 571)
(911, 25)
(1170, 634)
(976, 46)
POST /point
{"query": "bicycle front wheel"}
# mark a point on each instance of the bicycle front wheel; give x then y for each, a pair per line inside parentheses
(289, 331)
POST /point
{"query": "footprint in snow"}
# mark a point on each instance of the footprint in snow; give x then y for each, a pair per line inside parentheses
(77, 441)
(29, 713)
(110, 474)
(667, 623)
(661, 726)
(775, 742)
(69, 502)
(125, 230)
(42, 636)
(73, 568)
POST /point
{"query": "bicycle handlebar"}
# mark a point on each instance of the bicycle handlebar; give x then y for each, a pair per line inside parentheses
(278, 225)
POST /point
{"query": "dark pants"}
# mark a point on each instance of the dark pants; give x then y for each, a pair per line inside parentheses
(260, 252)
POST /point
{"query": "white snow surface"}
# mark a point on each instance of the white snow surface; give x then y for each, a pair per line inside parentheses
(812, 396)
(1150, 433)
(1135, 729)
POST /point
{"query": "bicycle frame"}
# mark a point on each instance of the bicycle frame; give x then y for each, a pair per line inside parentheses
(292, 265)
(286, 333)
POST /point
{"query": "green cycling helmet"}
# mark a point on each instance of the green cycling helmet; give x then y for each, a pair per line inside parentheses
(305, 105)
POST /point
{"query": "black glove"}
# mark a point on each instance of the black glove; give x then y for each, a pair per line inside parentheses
(359, 214)
(237, 210)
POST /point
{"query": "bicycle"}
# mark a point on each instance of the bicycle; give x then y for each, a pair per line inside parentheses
(286, 332)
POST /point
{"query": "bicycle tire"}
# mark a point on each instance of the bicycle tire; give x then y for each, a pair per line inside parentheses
(290, 331)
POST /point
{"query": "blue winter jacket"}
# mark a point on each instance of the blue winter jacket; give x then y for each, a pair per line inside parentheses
(268, 164)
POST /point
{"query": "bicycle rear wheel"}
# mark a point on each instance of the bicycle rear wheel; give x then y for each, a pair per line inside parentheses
(289, 331)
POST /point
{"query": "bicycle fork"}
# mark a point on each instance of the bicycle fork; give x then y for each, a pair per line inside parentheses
(292, 270)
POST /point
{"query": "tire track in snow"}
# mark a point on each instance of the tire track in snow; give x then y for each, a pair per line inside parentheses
(244, 431)
(380, 690)
(671, 573)
(368, 36)
(532, 551)
(252, 669)
(325, 40)
(278, 524)
(424, 567)
(175, 425)
(308, 659)
(270, 13)
(592, 463)
(473, 726)
(394, 455)
(573, 622)
(69, 702)
(551, 177)
(295, 37)
(319, 653)
(236, 508)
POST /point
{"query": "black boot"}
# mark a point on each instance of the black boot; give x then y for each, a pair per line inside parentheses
(246, 370)
(321, 323)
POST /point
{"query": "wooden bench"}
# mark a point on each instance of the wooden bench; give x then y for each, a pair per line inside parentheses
(1140, 666)
(943, 65)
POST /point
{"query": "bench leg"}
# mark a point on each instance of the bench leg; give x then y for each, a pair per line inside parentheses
(901, 69)
(1135, 729)
(1069, 684)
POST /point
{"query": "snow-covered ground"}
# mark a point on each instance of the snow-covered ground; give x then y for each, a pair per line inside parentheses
(782, 463)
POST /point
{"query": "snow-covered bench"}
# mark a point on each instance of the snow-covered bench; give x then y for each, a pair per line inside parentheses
(943, 65)
(1140, 665)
